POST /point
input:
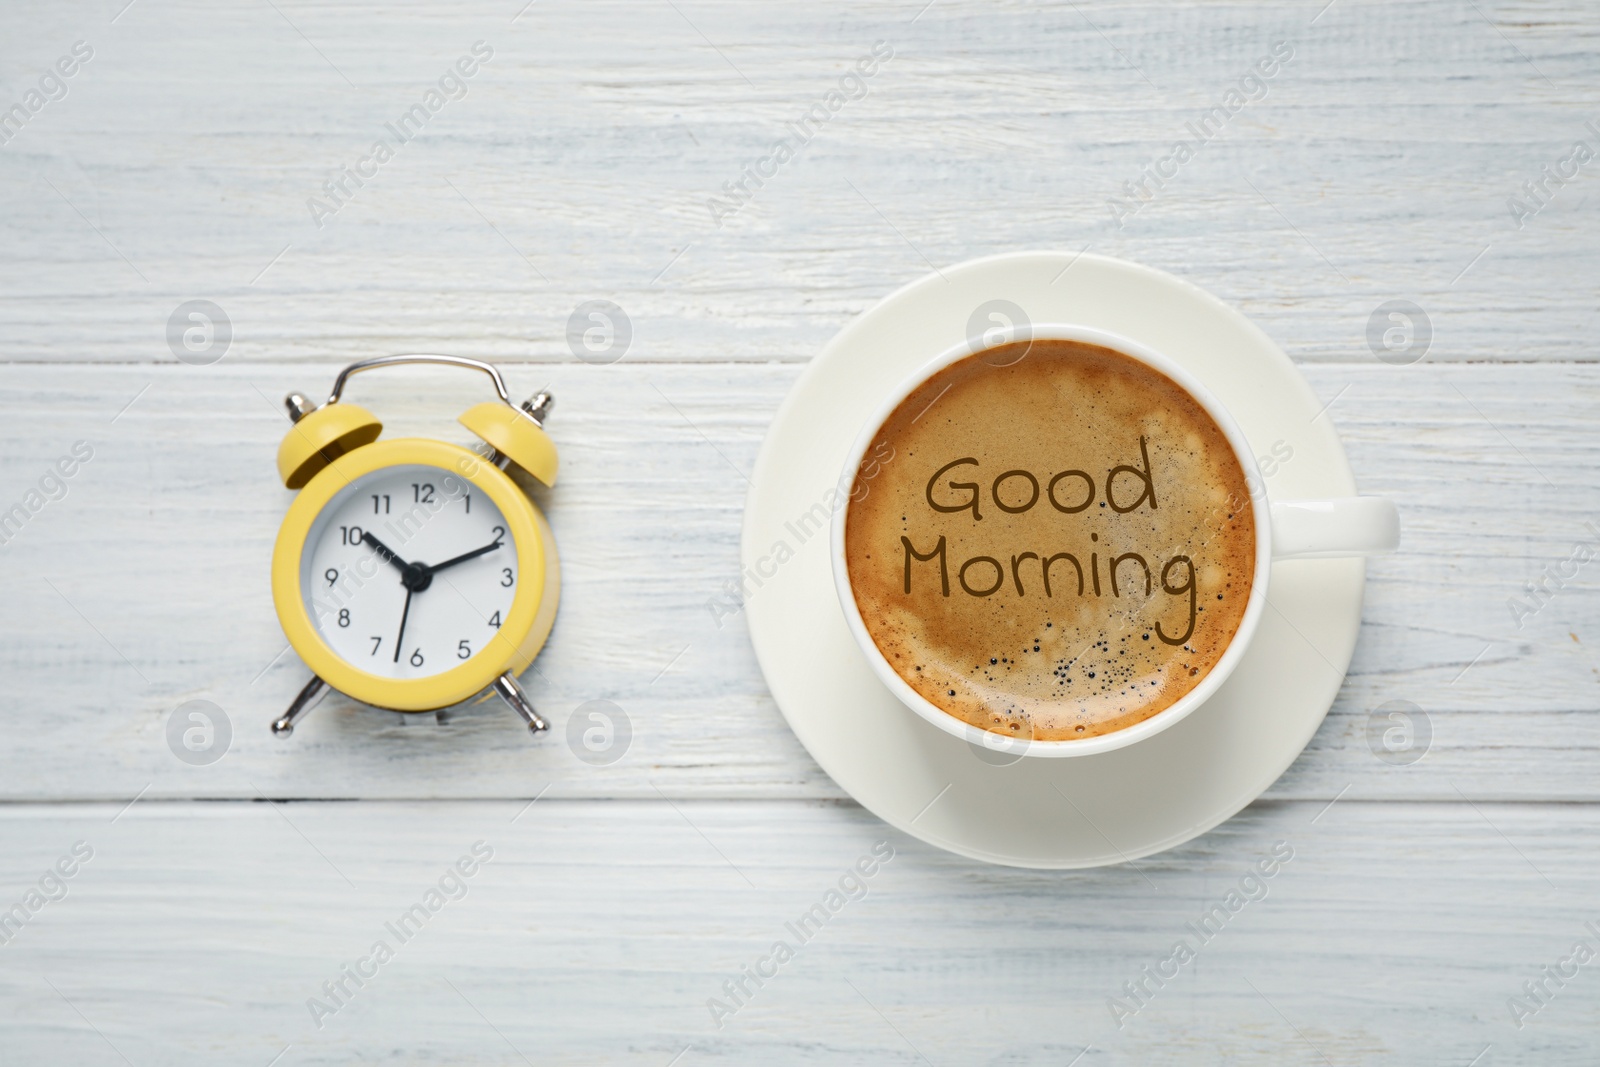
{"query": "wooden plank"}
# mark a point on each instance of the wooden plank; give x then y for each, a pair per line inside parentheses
(600, 932)
(146, 587)
(1378, 164)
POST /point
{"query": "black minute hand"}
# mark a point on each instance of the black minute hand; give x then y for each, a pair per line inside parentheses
(475, 553)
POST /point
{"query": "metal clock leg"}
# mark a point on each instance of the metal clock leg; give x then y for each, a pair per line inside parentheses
(506, 685)
(302, 704)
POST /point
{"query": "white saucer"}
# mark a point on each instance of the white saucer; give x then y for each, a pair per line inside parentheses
(1090, 810)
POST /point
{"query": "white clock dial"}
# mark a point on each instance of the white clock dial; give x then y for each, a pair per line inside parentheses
(383, 577)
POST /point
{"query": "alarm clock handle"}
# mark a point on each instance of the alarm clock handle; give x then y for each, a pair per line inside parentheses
(506, 685)
(419, 357)
(302, 704)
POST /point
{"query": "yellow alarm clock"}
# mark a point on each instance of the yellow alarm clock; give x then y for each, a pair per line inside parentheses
(412, 574)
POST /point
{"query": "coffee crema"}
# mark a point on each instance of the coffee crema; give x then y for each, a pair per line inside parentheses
(1056, 540)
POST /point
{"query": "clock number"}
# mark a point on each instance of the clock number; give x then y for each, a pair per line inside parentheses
(463, 650)
(505, 577)
(344, 616)
(469, 503)
(376, 641)
(332, 574)
(422, 494)
(499, 534)
(349, 535)
(494, 620)
(416, 657)
(385, 498)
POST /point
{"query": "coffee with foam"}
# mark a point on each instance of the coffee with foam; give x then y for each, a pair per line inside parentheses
(1057, 541)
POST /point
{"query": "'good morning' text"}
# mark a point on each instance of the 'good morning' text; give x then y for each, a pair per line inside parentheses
(1126, 488)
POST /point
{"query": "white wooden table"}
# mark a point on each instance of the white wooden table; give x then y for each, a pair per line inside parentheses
(1376, 165)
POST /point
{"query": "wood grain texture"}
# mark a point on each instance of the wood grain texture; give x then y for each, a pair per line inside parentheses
(599, 932)
(146, 587)
(1378, 165)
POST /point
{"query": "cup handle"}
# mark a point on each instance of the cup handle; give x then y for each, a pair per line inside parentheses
(1328, 529)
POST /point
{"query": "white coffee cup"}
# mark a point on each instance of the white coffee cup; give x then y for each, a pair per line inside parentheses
(1296, 529)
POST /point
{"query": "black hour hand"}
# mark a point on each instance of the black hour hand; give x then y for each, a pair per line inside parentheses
(383, 550)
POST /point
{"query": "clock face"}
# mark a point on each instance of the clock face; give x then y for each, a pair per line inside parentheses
(408, 571)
